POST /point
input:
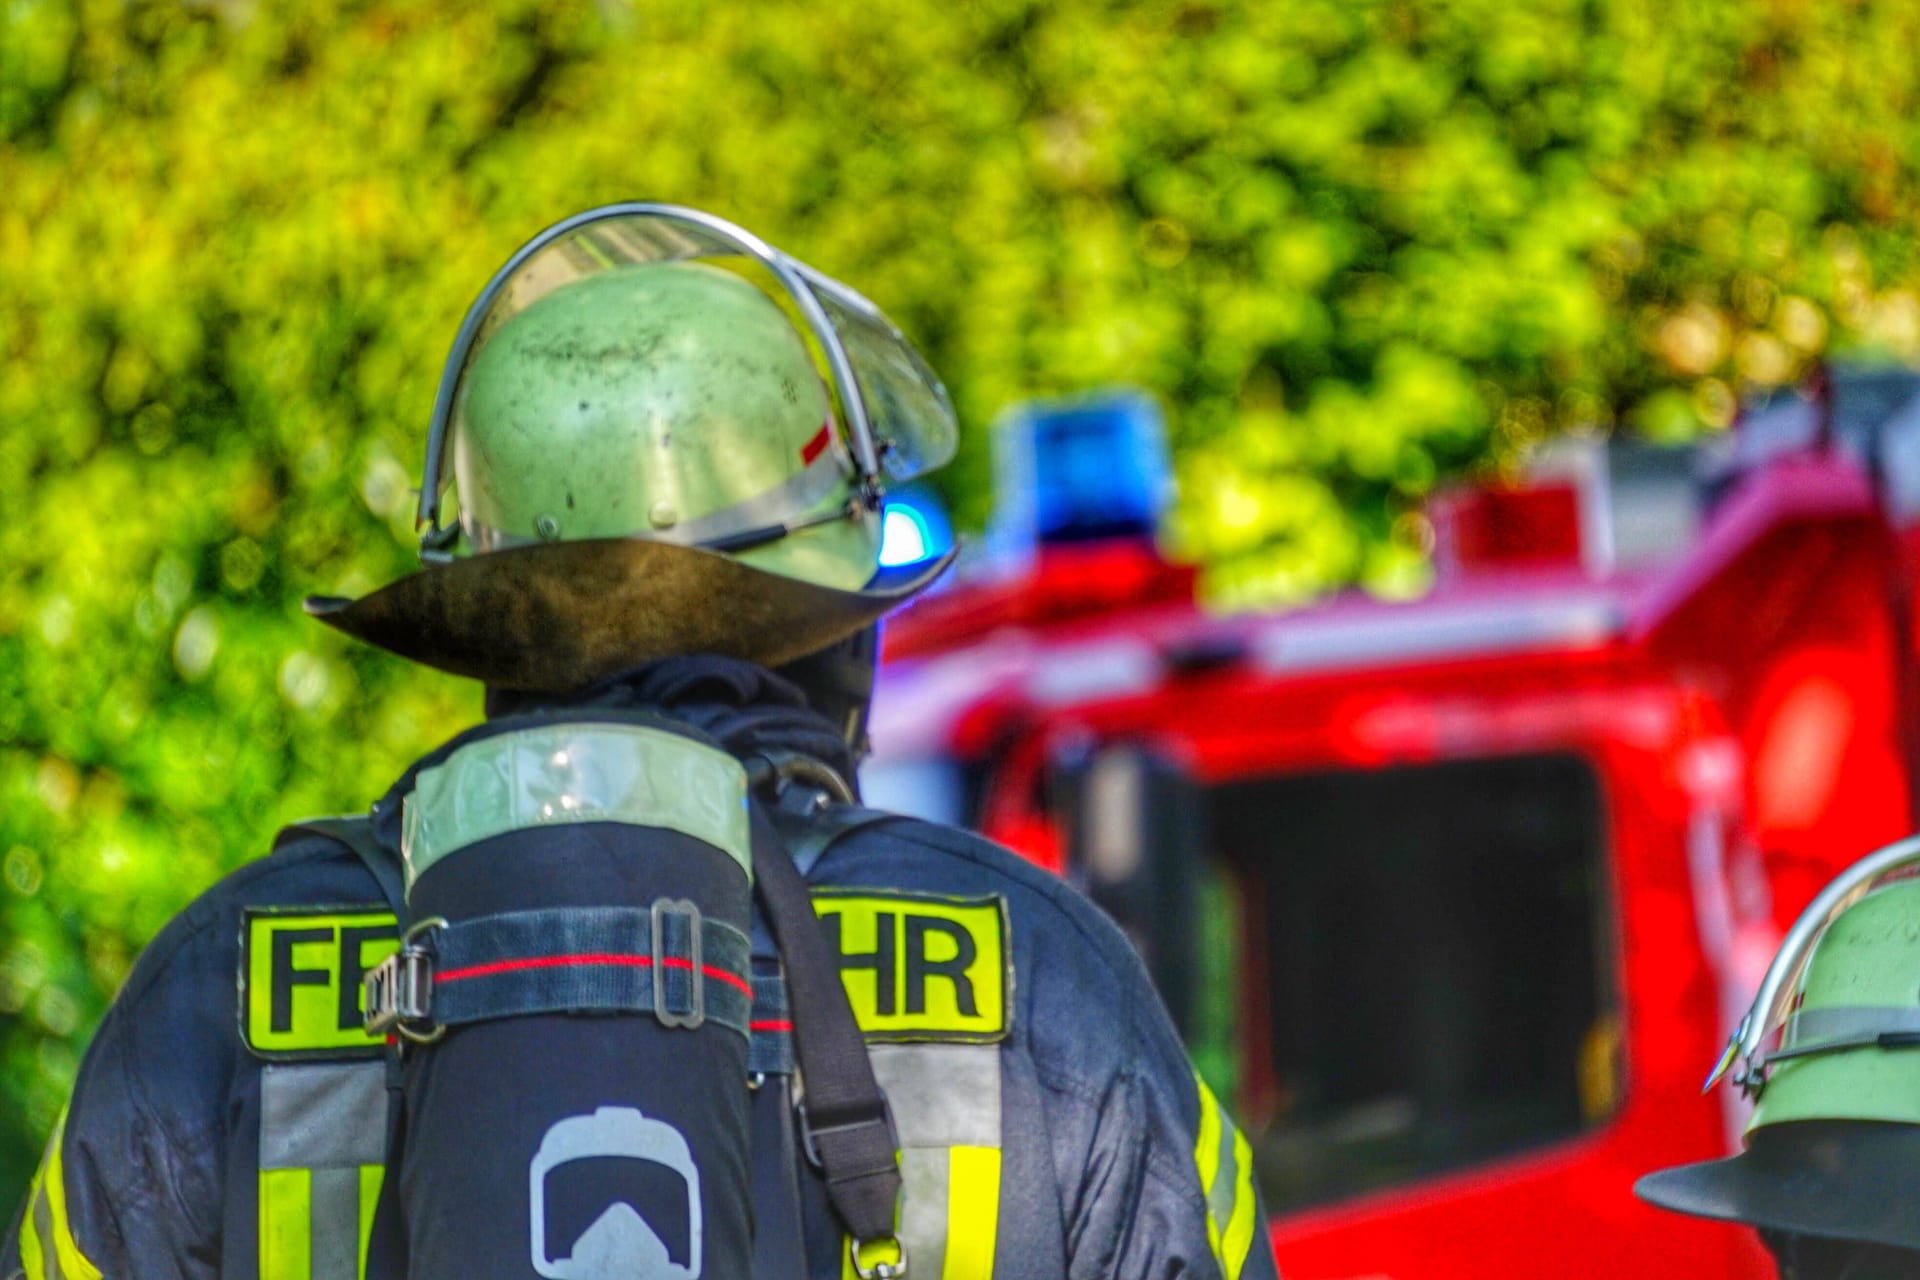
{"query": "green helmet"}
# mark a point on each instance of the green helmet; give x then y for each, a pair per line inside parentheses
(666, 437)
(1833, 1143)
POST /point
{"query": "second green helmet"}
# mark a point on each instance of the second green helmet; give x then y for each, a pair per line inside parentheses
(1833, 1143)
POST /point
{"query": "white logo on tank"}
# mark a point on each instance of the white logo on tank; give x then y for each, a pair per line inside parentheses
(621, 1244)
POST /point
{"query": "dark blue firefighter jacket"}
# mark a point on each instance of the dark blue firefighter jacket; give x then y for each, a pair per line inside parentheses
(229, 1118)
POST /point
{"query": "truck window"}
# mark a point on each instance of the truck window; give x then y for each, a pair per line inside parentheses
(1433, 960)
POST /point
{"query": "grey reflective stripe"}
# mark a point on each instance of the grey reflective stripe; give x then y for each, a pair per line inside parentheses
(924, 1193)
(324, 1125)
(1221, 1195)
(942, 1095)
(1857, 1024)
(576, 773)
(43, 1227)
(796, 496)
(330, 1115)
(335, 1224)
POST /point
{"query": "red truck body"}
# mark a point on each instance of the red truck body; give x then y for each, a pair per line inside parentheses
(1460, 895)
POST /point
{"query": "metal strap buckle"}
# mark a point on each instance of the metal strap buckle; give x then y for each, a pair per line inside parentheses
(399, 990)
(695, 1012)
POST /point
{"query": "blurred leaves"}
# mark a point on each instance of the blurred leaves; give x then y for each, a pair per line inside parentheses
(1355, 245)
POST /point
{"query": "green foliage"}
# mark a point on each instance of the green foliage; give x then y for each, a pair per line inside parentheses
(1355, 245)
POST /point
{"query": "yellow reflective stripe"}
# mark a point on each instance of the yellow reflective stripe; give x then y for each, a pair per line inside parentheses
(1238, 1237)
(47, 1242)
(973, 1212)
(959, 1237)
(286, 1231)
(371, 1176)
(1206, 1156)
(286, 1221)
(30, 1255)
(1224, 1162)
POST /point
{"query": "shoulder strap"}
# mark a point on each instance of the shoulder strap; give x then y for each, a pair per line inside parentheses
(357, 835)
(844, 1119)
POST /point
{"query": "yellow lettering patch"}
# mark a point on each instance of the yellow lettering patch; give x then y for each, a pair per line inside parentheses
(921, 967)
(300, 973)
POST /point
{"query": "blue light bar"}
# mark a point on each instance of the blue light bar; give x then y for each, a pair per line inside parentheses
(1084, 469)
(913, 527)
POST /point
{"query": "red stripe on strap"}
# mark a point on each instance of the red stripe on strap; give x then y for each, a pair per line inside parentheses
(816, 446)
(770, 1026)
(557, 962)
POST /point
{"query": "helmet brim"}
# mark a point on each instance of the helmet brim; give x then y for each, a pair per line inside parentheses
(557, 616)
(1849, 1180)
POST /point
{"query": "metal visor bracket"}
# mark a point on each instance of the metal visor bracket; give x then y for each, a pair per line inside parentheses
(895, 414)
(1755, 1042)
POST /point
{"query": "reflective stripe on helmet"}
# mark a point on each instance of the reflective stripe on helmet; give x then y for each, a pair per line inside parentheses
(767, 515)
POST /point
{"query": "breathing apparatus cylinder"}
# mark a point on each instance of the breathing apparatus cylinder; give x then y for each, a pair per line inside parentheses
(574, 993)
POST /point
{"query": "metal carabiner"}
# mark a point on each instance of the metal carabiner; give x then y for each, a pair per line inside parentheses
(894, 1270)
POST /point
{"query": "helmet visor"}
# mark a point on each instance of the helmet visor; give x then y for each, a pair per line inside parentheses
(895, 419)
(907, 410)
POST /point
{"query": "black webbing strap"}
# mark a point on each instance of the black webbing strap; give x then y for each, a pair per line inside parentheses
(770, 1049)
(667, 960)
(357, 835)
(845, 1123)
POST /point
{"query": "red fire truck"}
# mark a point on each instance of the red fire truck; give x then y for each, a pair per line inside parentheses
(1459, 897)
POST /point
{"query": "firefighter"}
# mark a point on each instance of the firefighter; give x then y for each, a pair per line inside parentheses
(1826, 1175)
(668, 443)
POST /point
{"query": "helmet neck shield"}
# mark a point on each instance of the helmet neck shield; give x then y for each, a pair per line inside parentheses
(558, 616)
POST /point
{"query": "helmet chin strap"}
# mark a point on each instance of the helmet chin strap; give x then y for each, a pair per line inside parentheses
(838, 682)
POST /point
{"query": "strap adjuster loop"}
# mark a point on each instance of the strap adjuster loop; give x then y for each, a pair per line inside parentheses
(682, 917)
